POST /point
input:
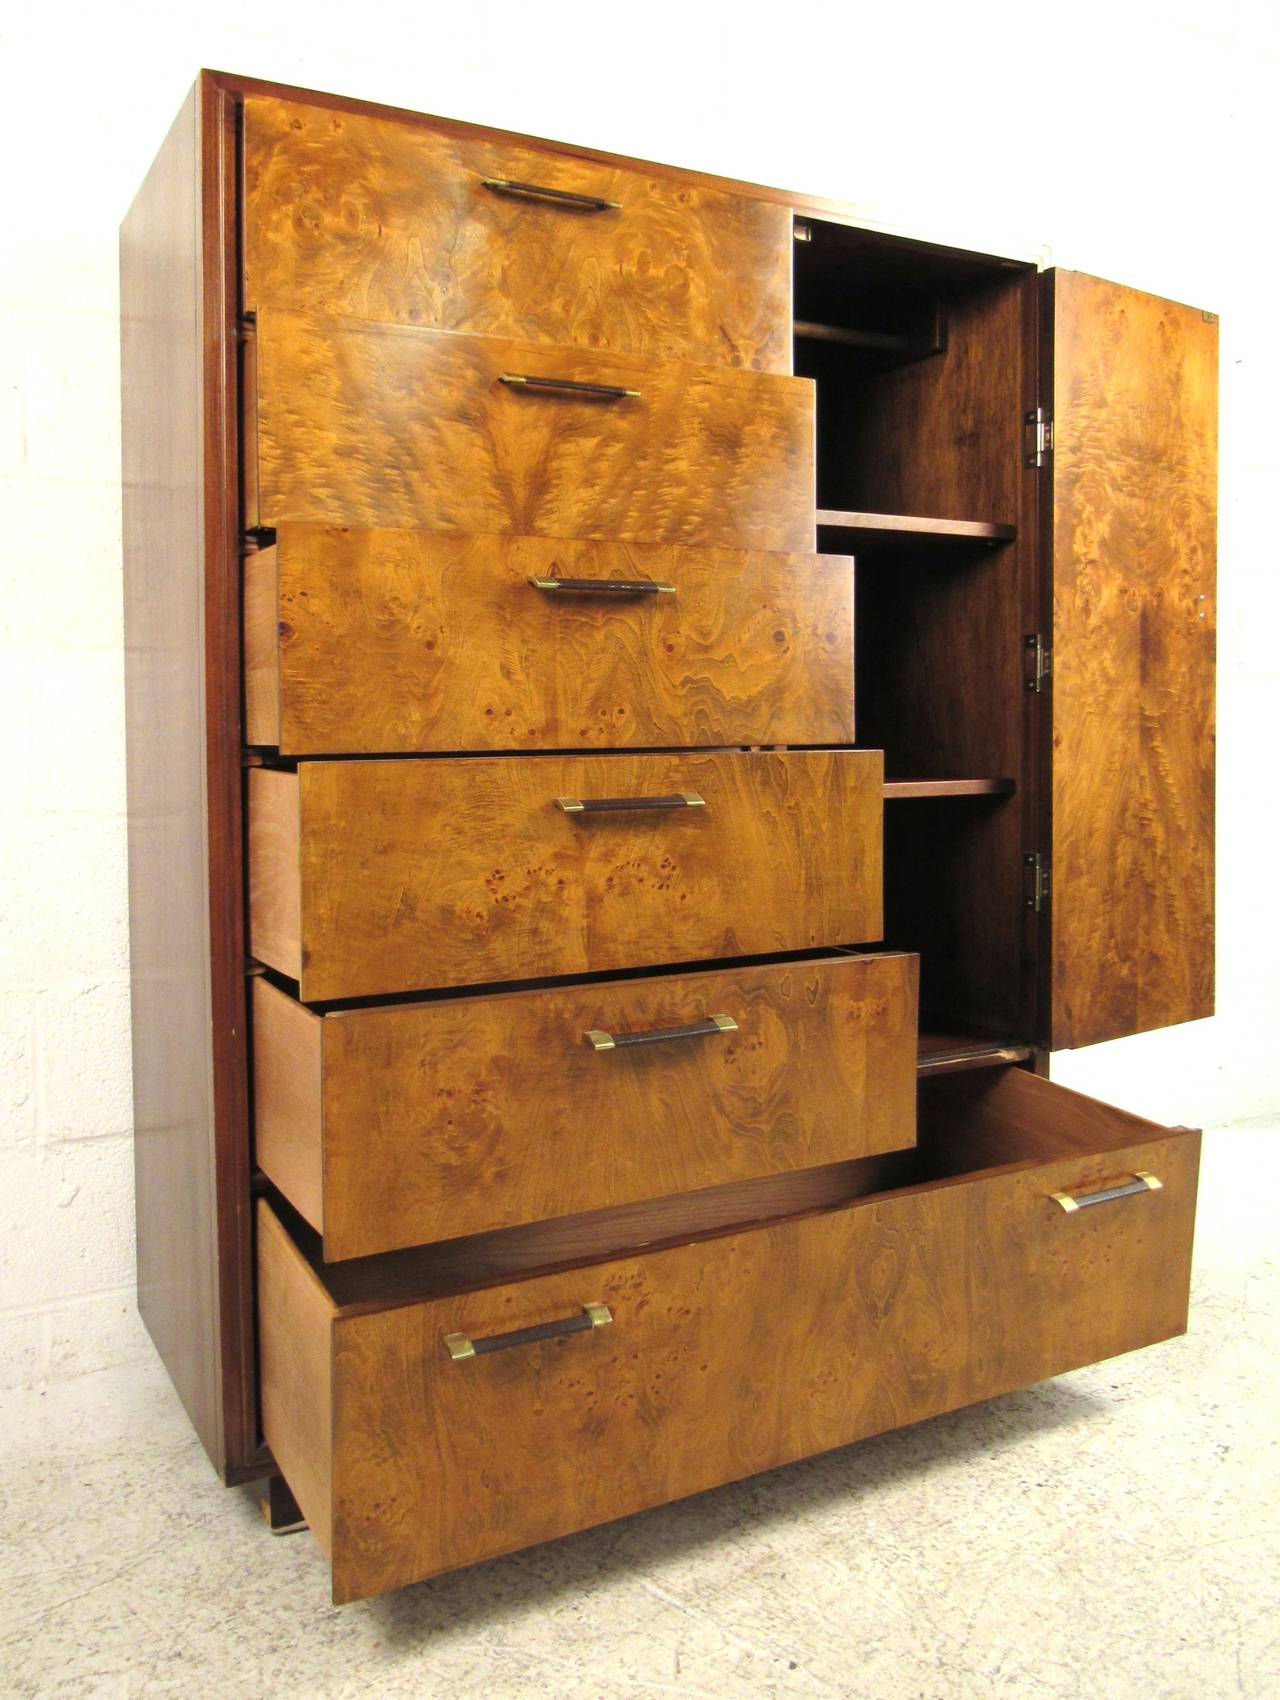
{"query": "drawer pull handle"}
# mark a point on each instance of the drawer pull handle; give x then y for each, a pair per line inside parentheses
(568, 386)
(1141, 1182)
(560, 197)
(623, 805)
(462, 1346)
(606, 586)
(659, 1035)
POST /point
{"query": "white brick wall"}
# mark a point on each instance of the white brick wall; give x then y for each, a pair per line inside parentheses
(1140, 140)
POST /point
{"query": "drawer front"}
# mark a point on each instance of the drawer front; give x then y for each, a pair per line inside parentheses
(390, 1128)
(720, 1358)
(372, 425)
(387, 642)
(387, 876)
(381, 219)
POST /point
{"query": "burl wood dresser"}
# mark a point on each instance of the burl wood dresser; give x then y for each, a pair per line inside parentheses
(653, 707)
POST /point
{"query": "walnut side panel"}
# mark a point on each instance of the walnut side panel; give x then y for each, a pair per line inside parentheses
(182, 735)
(1134, 541)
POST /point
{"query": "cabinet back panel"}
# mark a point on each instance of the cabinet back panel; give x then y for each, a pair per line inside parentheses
(941, 437)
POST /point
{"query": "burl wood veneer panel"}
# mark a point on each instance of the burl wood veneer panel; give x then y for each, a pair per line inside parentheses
(378, 218)
(391, 1127)
(417, 874)
(398, 642)
(733, 1355)
(385, 425)
(1134, 540)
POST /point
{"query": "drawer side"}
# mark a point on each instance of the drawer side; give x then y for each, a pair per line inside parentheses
(295, 1318)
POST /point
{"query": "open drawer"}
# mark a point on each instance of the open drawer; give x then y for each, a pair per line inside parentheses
(431, 1410)
(387, 876)
(398, 1125)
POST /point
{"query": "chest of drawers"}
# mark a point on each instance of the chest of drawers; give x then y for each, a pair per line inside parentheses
(652, 709)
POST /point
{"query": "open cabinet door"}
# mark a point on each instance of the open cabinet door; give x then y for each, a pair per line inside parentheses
(1133, 462)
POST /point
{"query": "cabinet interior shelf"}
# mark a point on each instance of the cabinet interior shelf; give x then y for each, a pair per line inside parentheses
(895, 788)
(862, 533)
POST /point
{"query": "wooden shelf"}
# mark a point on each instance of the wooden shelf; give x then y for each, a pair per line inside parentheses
(860, 533)
(894, 788)
(949, 1053)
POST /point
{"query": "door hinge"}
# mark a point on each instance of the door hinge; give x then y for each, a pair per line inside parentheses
(1035, 869)
(1040, 657)
(1037, 437)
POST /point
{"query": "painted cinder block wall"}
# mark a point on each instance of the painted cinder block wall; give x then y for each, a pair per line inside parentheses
(1135, 146)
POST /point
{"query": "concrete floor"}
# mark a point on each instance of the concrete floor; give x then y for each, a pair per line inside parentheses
(1115, 1533)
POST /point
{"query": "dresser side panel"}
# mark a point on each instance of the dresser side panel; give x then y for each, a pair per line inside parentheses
(182, 732)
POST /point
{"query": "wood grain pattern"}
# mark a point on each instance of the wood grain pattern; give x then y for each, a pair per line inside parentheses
(867, 531)
(941, 643)
(386, 642)
(178, 1282)
(261, 636)
(592, 1236)
(799, 1336)
(258, 87)
(941, 438)
(295, 1315)
(457, 872)
(958, 1132)
(376, 425)
(274, 853)
(908, 788)
(1134, 537)
(378, 219)
(182, 690)
(288, 1103)
(434, 1120)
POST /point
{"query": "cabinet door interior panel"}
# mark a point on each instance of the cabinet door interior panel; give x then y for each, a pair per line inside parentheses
(385, 425)
(391, 1127)
(390, 642)
(412, 874)
(726, 1356)
(377, 218)
(1134, 530)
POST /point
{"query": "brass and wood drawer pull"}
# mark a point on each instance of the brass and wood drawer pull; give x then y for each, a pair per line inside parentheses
(1141, 1182)
(606, 586)
(707, 1029)
(558, 197)
(623, 805)
(591, 1316)
(568, 386)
